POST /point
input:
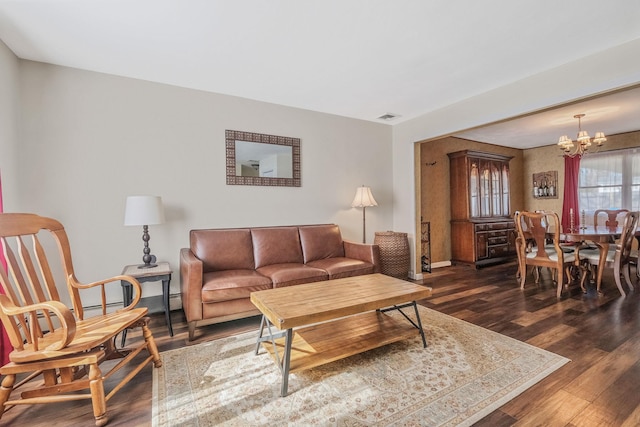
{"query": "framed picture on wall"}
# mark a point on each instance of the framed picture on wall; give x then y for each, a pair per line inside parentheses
(545, 185)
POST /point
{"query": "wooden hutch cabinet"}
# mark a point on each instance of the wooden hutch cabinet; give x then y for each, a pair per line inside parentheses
(482, 230)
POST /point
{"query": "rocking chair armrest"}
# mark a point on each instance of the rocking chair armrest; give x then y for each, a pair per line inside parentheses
(61, 311)
(137, 289)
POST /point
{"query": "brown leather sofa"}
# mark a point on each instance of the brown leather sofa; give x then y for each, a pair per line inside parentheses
(222, 267)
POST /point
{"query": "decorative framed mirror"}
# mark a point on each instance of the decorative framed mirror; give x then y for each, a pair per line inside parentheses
(261, 159)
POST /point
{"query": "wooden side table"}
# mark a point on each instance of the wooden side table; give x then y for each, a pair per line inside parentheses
(154, 274)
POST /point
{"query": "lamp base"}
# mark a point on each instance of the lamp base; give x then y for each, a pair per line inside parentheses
(147, 265)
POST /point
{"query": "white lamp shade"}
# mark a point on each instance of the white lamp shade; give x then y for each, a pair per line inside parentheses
(363, 198)
(143, 210)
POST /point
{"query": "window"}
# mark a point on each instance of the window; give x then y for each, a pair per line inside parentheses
(610, 180)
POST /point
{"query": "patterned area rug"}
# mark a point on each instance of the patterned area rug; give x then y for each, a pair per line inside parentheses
(465, 373)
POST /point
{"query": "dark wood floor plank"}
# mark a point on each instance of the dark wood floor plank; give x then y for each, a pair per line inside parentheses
(623, 395)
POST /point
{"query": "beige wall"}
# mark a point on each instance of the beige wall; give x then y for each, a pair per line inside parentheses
(8, 125)
(543, 159)
(89, 140)
(435, 194)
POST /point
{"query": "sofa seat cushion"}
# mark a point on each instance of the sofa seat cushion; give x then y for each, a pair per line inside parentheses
(292, 274)
(340, 267)
(228, 285)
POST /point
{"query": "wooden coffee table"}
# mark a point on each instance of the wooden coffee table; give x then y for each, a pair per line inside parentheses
(334, 319)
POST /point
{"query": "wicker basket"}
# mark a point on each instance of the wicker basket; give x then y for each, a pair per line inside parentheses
(394, 253)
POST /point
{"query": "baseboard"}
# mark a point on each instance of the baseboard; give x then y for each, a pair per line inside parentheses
(440, 264)
(415, 276)
(154, 304)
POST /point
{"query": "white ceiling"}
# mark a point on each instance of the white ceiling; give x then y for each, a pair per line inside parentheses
(614, 113)
(353, 58)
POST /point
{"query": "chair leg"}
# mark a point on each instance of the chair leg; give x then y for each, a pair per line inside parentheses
(5, 390)
(523, 278)
(627, 277)
(560, 282)
(584, 273)
(616, 276)
(151, 345)
(536, 274)
(97, 395)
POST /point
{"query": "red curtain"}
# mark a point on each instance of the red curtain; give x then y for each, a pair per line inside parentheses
(5, 344)
(570, 202)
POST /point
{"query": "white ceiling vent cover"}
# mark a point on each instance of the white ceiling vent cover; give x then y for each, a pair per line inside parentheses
(388, 116)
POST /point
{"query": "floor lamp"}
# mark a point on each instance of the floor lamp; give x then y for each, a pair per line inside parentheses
(363, 199)
(144, 211)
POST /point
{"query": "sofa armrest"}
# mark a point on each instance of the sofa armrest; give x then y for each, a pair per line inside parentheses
(364, 252)
(191, 284)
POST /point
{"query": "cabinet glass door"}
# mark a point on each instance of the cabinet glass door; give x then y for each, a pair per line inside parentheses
(505, 190)
(485, 189)
(474, 189)
(496, 190)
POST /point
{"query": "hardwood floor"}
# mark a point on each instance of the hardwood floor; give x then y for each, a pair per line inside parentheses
(601, 336)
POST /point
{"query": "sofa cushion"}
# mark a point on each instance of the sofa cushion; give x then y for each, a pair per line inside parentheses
(292, 274)
(225, 249)
(276, 245)
(228, 285)
(320, 242)
(340, 267)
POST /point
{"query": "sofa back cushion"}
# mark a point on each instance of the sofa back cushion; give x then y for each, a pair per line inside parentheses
(321, 242)
(223, 249)
(276, 245)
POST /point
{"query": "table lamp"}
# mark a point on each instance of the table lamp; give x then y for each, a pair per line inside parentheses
(144, 211)
(363, 199)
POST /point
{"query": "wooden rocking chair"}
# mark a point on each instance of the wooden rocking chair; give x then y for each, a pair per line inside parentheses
(56, 350)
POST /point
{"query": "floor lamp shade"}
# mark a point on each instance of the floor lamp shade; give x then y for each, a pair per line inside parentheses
(363, 199)
(145, 211)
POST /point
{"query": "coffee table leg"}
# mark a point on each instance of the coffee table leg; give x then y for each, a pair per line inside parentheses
(424, 340)
(286, 362)
(259, 340)
(417, 324)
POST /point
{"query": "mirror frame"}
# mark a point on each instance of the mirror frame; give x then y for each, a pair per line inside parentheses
(231, 136)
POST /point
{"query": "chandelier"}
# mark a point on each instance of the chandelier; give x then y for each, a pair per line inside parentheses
(581, 146)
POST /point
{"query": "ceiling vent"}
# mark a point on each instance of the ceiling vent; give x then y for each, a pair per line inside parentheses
(388, 116)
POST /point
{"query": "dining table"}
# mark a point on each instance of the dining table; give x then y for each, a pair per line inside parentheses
(602, 237)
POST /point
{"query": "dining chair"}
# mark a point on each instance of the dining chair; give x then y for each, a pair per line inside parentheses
(528, 242)
(618, 257)
(59, 350)
(612, 217)
(522, 243)
(542, 230)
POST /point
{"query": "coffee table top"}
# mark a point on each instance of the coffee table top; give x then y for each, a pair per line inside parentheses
(299, 305)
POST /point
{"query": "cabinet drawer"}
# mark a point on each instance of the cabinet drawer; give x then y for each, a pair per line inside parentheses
(481, 227)
(498, 250)
(500, 225)
(497, 240)
(499, 233)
